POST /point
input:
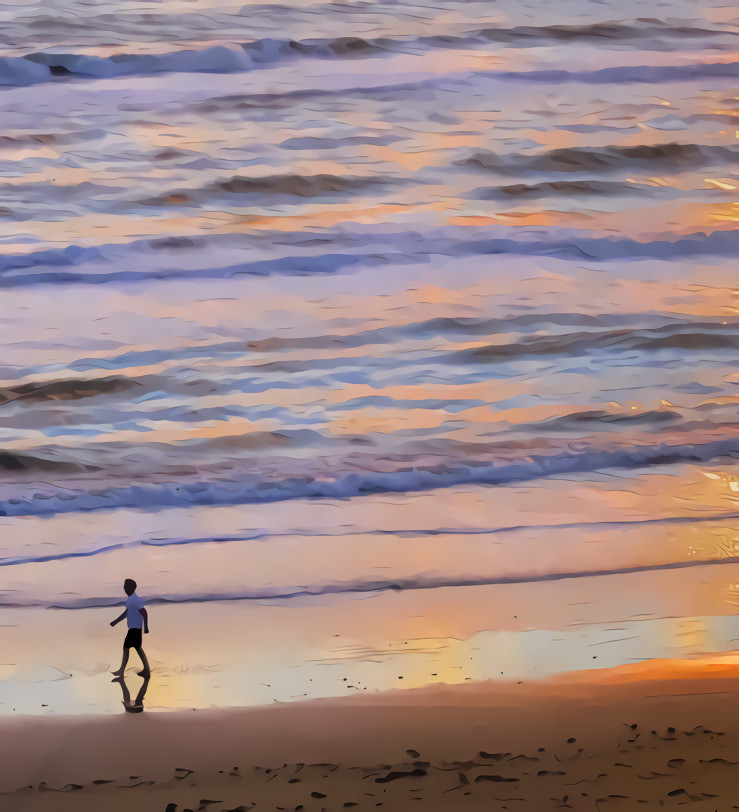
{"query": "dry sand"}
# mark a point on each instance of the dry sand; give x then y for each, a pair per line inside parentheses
(656, 735)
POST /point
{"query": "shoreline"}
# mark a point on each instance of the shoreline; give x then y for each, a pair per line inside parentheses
(581, 720)
(56, 662)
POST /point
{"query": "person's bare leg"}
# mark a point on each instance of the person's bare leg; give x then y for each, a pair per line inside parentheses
(124, 661)
(146, 670)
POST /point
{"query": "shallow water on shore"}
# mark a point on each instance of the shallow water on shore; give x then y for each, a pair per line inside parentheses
(247, 653)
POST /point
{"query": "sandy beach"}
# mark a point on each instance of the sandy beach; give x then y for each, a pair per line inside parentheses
(609, 692)
(655, 735)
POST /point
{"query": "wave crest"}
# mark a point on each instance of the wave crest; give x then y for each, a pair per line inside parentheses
(412, 478)
(603, 159)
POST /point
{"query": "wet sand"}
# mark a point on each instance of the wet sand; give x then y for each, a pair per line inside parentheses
(655, 735)
(253, 653)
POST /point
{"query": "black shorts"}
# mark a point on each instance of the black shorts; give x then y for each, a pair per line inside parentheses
(133, 639)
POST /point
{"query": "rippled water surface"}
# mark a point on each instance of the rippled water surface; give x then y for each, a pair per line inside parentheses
(346, 297)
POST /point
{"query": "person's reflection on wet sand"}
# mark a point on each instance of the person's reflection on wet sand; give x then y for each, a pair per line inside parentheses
(137, 706)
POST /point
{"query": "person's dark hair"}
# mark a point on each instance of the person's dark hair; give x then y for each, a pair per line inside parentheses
(129, 586)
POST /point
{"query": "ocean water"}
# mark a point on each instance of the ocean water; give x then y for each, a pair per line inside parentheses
(355, 298)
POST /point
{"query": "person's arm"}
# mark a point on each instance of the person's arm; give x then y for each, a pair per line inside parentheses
(119, 618)
(145, 615)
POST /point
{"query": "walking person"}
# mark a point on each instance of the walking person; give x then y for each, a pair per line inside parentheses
(136, 616)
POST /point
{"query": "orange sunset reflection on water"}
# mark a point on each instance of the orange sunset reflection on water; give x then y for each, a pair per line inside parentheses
(388, 348)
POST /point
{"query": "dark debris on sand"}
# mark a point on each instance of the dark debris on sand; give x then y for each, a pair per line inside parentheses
(662, 769)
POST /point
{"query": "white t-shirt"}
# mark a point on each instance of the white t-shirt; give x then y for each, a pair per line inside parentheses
(133, 616)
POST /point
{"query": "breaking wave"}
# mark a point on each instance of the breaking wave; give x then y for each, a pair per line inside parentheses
(253, 490)
(57, 266)
(45, 66)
